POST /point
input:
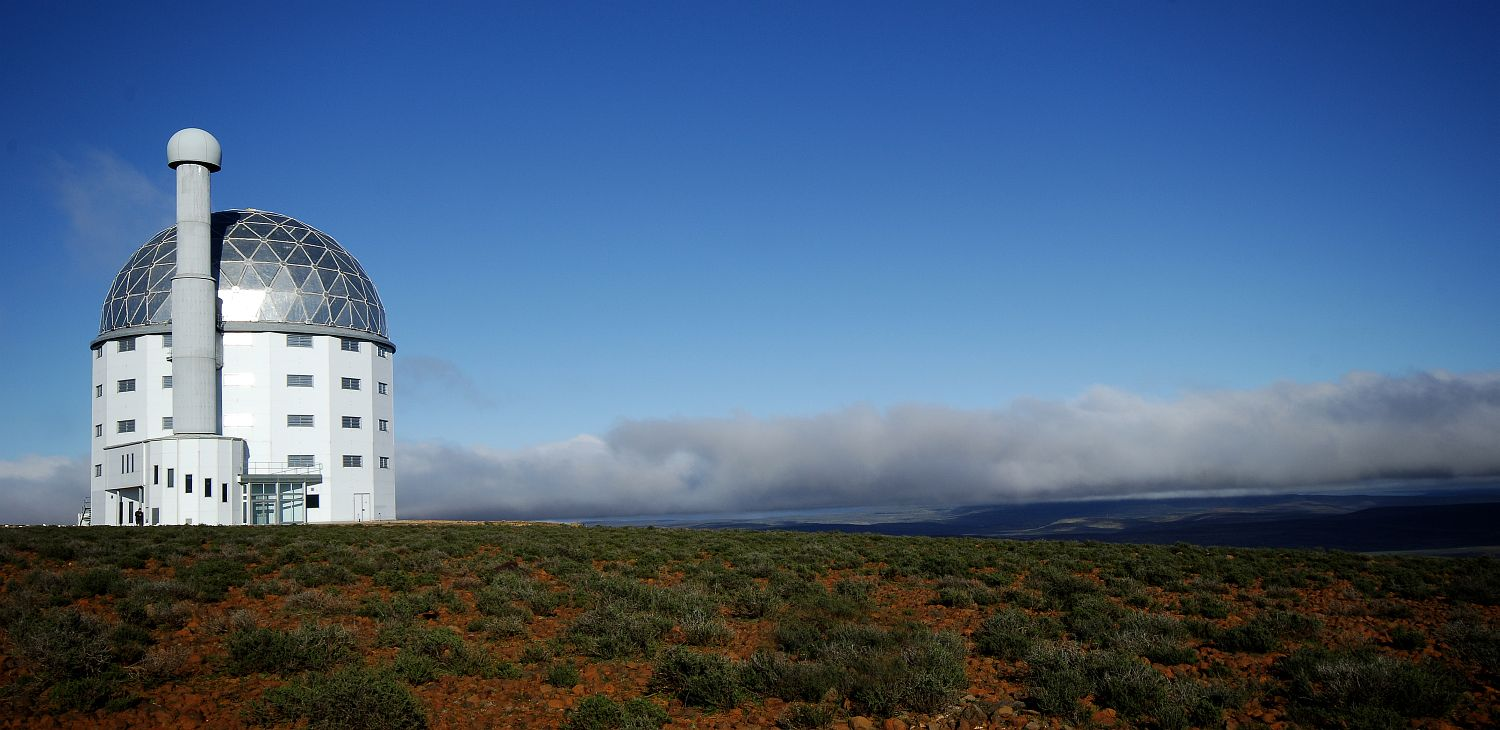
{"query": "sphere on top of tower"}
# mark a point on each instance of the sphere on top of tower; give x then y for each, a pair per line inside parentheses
(194, 145)
(275, 273)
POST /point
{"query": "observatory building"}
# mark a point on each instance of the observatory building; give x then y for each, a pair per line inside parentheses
(242, 372)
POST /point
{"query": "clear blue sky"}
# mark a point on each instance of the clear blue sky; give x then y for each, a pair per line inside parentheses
(606, 211)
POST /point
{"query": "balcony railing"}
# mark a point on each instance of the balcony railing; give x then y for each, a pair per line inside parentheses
(281, 467)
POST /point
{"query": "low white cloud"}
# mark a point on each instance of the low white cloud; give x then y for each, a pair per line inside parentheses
(1105, 443)
(111, 207)
(36, 489)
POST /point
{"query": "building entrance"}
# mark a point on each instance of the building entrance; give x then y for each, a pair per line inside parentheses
(276, 503)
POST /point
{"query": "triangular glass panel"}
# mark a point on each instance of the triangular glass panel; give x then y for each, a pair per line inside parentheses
(313, 283)
(267, 272)
(321, 316)
(299, 256)
(329, 276)
(299, 274)
(264, 254)
(310, 304)
(230, 273)
(296, 312)
(280, 234)
(283, 281)
(262, 230)
(282, 249)
(339, 288)
(163, 310)
(251, 280)
(341, 312)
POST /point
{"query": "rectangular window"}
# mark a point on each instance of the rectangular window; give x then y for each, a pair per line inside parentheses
(98, 391)
(166, 423)
(125, 344)
(187, 483)
(98, 352)
(299, 420)
(224, 493)
(98, 470)
(385, 462)
(166, 381)
(352, 460)
(382, 351)
(125, 386)
(299, 340)
(125, 426)
(348, 345)
(156, 473)
(385, 425)
(304, 460)
(349, 383)
(351, 421)
(384, 388)
(171, 478)
(299, 381)
(208, 487)
(312, 501)
(166, 340)
(98, 430)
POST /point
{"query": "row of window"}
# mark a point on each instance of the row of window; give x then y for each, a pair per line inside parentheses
(127, 344)
(296, 420)
(293, 381)
(127, 465)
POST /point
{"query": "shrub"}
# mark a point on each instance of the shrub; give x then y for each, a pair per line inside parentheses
(259, 650)
(612, 631)
(1011, 634)
(1057, 679)
(774, 674)
(211, 578)
(1407, 639)
(353, 698)
(802, 716)
(751, 602)
(563, 675)
(597, 712)
(699, 680)
(1333, 688)
(97, 692)
(701, 628)
(63, 644)
(1204, 605)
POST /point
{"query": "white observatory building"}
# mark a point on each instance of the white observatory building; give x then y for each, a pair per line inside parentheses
(242, 372)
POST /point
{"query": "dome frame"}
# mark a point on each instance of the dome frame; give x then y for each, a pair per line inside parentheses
(274, 273)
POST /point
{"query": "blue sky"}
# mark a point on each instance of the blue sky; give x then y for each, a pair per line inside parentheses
(586, 215)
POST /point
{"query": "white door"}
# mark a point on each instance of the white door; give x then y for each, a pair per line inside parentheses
(361, 506)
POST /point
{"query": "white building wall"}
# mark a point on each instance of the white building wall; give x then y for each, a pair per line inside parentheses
(256, 401)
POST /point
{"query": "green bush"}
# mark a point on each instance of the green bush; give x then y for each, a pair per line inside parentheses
(1407, 639)
(699, 680)
(211, 578)
(63, 644)
(612, 631)
(1011, 633)
(801, 716)
(260, 650)
(1359, 687)
(563, 675)
(354, 698)
(598, 712)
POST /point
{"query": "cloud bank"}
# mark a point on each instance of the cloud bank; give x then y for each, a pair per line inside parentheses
(37, 489)
(1105, 443)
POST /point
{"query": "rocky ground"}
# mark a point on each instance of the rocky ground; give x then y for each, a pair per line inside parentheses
(453, 626)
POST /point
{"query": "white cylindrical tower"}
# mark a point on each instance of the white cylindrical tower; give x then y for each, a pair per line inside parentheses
(195, 154)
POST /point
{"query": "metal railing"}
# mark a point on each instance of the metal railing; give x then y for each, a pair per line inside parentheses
(281, 467)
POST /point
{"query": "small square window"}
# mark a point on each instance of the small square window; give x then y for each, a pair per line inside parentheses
(312, 501)
(98, 352)
(348, 345)
(299, 381)
(125, 426)
(300, 460)
(385, 462)
(385, 425)
(384, 388)
(166, 340)
(98, 470)
(352, 460)
(351, 421)
(166, 381)
(299, 340)
(299, 420)
(382, 351)
(166, 423)
(125, 344)
(125, 386)
(98, 430)
(98, 391)
(349, 383)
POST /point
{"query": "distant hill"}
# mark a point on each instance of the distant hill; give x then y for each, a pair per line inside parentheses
(1437, 520)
